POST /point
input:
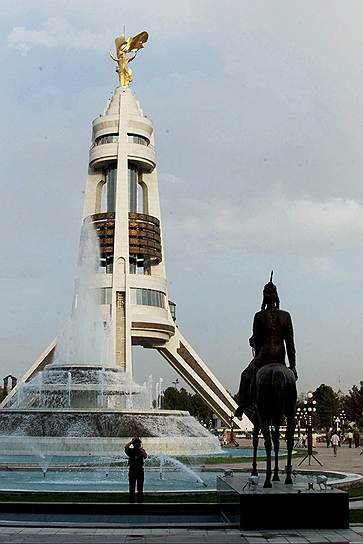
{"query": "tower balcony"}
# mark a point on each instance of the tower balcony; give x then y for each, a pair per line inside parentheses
(141, 155)
(144, 235)
(101, 155)
(151, 333)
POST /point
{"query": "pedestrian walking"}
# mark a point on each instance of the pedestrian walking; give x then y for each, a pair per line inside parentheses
(136, 455)
(356, 438)
(350, 438)
(334, 442)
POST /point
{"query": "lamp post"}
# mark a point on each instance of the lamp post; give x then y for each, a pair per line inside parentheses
(309, 409)
(336, 420)
(298, 416)
(342, 417)
(175, 383)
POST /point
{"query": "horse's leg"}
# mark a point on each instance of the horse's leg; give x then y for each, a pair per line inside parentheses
(276, 440)
(256, 430)
(290, 429)
(265, 428)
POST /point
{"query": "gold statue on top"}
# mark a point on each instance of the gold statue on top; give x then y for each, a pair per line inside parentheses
(123, 47)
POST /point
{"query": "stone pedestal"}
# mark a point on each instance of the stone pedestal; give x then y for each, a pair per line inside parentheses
(284, 507)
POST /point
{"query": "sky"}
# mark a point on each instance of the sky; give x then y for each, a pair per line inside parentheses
(258, 117)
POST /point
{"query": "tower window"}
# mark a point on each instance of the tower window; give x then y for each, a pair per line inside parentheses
(147, 297)
(106, 139)
(106, 295)
(111, 176)
(137, 139)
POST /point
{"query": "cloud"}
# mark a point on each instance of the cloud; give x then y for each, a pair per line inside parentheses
(273, 224)
(165, 177)
(56, 32)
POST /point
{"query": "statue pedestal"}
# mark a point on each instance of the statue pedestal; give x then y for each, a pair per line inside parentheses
(284, 507)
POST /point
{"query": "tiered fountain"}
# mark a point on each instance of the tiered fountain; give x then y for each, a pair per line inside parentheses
(82, 403)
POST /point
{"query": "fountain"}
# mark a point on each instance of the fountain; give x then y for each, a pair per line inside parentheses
(82, 405)
(79, 405)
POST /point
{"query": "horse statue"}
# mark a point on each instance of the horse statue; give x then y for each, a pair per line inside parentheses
(276, 398)
(267, 390)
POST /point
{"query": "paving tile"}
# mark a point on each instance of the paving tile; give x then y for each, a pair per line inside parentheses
(296, 540)
(316, 538)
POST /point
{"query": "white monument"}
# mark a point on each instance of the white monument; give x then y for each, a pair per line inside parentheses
(122, 201)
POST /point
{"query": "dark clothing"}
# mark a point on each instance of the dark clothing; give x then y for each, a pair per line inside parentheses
(136, 478)
(136, 457)
(136, 472)
(272, 331)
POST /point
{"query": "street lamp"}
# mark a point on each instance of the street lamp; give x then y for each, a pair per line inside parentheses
(342, 417)
(175, 383)
(309, 409)
(336, 420)
(298, 416)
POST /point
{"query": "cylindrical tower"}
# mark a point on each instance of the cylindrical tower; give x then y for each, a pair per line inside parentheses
(122, 201)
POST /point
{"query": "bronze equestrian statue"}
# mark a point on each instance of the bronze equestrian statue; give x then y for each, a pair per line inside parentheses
(268, 388)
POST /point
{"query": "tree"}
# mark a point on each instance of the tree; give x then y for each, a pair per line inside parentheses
(353, 404)
(175, 399)
(199, 409)
(180, 399)
(327, 405)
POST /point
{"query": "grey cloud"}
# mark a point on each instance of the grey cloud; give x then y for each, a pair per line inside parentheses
(257, 108)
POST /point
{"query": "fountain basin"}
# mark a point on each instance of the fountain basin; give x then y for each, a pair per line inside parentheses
(103, 479)
(84, 432)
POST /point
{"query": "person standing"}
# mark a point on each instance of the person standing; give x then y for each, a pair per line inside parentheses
(350, 438)
(356, 438)
(334, 442)
(136, 455)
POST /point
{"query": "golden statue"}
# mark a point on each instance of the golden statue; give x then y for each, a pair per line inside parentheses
(123, 47)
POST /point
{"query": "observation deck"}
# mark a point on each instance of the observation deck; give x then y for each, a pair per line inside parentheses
(141, 155)
(144, 235)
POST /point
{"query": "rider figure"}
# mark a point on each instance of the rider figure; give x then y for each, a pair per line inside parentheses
(272, 331)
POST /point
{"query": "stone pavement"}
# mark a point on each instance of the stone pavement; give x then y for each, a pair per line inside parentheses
(30, 535)
(347, 460)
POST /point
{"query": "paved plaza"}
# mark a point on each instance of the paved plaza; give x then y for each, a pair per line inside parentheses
(175, 536)
(347, 460)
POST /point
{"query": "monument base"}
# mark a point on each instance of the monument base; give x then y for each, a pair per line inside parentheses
(284, 507)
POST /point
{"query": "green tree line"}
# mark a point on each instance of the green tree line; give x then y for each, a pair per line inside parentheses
(180, 399)
(329, 405)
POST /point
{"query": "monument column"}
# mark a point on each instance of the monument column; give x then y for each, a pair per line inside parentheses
(122, 201)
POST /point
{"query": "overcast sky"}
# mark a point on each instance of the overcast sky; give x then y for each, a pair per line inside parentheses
(258, 117)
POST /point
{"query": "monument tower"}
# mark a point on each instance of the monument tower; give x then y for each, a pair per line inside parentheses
(122, 202)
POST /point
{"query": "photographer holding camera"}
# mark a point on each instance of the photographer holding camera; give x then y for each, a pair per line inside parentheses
(136, 455)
